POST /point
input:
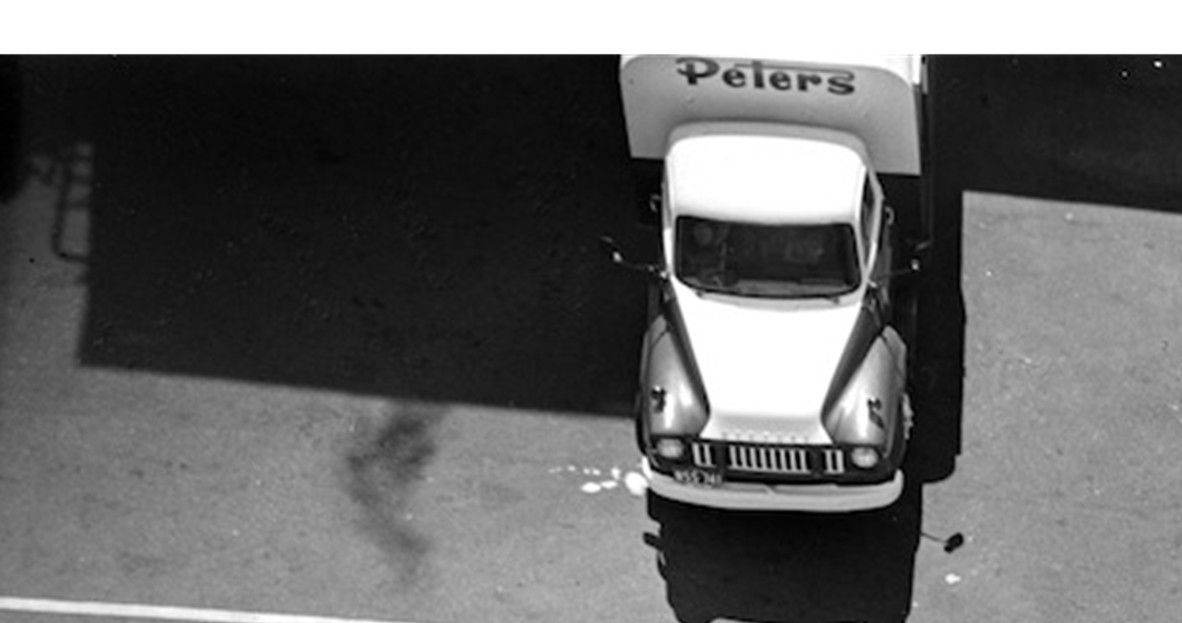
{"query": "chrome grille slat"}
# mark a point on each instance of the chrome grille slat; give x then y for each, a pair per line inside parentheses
(834, 461)
(702, 455)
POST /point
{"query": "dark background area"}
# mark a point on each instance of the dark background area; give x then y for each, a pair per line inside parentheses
(405, 226)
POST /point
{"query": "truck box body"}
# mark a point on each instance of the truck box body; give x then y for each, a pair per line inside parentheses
(878, 104)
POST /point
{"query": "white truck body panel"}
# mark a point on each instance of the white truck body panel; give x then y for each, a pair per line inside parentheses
(766, 364)
(766, 367)
(879, 103)
(765, 173)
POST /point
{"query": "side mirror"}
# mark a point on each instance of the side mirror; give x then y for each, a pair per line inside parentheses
(609, 247)
(919, 251)
(913, 267)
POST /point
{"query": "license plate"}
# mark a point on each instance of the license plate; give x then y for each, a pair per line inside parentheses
(697, 477)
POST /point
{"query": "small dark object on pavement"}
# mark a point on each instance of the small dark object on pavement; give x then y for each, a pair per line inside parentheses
(951, 543)
(954, 542)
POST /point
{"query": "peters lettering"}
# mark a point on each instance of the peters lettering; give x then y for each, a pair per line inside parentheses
(765, 75)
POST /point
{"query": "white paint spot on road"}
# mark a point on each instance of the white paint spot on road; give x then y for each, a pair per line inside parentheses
(633, 481)
(636, 483)
(952, 579)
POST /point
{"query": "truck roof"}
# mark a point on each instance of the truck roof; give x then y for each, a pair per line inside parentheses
(765, 173)
(875, 100)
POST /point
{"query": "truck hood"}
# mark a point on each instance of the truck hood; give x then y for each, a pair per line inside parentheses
(766, 367)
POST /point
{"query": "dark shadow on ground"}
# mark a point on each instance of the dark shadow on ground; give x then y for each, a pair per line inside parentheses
(11, 171)
(10, 126)
(774, 567)
(418, 227)
(1093, 129)
(937, 357)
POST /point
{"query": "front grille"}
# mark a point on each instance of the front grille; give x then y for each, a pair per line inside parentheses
(769, 459)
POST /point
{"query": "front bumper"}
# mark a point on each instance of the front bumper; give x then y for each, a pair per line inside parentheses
(818, 498)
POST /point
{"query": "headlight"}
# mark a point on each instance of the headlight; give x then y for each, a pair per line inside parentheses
(670, 449)
(864, 457)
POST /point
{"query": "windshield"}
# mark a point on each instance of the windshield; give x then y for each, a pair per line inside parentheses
(778, 261)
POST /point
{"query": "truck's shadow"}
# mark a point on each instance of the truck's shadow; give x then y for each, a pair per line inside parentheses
(788, 566)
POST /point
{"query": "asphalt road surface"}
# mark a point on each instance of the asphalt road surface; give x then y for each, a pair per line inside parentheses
(332, 338)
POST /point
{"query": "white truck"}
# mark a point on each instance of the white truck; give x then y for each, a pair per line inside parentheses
(773, 372)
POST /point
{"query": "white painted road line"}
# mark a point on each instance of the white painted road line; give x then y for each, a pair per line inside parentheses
(164, 613)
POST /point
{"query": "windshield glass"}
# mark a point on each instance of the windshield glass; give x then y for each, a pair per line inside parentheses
(778, 261)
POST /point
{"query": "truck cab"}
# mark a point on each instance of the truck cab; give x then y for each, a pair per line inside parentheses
(774, 368)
